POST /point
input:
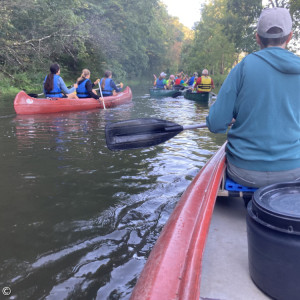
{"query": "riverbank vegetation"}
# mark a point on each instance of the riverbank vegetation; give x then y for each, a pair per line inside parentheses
(132, 38)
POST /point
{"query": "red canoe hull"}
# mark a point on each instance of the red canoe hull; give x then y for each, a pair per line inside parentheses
(26, 105)
(173, 270)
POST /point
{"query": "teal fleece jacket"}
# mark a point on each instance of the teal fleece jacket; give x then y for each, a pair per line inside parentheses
(262, 93)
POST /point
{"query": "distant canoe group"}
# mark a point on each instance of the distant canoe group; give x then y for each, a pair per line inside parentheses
(59, 98)
(176, 92)
(191, 87)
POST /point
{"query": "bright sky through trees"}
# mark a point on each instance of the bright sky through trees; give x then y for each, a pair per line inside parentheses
(187, 11)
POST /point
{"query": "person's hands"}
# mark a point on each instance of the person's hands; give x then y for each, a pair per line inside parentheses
(154, 76)
(121, 85)
(75, 85)
(97, 81)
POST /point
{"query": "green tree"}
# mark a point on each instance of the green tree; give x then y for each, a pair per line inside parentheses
(211, 48)
(240, 23)
(31, 35)
(129, 37)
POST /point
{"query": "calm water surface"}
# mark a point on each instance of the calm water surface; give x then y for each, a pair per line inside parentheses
(78, 221)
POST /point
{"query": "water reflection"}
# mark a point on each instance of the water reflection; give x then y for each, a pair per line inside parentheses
(78, 220)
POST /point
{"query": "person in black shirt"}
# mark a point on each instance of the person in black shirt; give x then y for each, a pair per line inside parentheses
(85, 86)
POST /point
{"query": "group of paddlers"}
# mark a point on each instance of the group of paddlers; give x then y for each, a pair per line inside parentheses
(201, 84)
(54, 86)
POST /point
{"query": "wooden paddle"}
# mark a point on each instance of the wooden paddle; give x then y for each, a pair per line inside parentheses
(139, 133)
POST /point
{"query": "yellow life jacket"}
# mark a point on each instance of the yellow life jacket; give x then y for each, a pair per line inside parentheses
(205, 85)
(171, 82)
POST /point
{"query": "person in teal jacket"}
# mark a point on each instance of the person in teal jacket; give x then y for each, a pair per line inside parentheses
(261, 95)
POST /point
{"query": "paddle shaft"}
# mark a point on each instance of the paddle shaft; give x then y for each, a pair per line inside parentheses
(100, 89)
(195, 126)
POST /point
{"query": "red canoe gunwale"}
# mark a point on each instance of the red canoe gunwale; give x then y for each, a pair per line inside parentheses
(26, 105)
(173, 269)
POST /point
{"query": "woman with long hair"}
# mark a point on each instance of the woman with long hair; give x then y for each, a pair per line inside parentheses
(54, 86)
(85, 86)
(108, 86)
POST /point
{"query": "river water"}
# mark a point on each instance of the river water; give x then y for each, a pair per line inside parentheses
(78, 221)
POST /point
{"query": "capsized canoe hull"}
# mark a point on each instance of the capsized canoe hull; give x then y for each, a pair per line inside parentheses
(200, 97)
(27, 105)
(173, 269)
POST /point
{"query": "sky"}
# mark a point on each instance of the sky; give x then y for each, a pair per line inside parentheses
(188, 11)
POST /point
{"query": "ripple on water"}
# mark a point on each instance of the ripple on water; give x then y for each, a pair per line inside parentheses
(93, 215)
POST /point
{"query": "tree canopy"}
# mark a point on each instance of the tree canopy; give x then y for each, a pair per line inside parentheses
(129, 37)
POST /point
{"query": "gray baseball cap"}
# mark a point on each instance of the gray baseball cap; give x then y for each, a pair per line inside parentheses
(274, 17)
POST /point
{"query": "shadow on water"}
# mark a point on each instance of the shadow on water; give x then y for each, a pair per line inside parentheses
(78, 220)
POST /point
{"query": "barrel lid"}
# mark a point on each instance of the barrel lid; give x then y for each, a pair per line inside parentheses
(278, 205)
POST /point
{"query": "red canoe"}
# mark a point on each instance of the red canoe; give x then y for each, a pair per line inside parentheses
(26, 105)
(173, 269)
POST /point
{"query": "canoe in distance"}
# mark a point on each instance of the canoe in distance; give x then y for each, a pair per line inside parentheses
(200, 97)
(162, 93)
(27, 105)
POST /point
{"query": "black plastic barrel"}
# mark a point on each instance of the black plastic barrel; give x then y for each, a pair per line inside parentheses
(273, 230)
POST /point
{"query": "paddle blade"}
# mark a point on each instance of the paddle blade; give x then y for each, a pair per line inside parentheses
(139, 133)
(176, 94)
